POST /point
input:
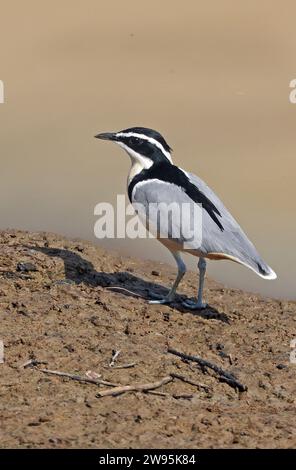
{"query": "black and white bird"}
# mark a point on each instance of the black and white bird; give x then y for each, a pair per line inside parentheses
(154, 180)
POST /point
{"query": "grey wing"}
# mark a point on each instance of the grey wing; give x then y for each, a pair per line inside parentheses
(169, 213)
(192, 227)
(232, 241)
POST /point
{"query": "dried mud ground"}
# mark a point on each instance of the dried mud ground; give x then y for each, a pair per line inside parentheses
(56, 306)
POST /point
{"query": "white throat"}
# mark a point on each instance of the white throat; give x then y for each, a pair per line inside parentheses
(139, 162)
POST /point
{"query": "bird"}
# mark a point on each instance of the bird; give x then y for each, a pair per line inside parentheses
(153, 179)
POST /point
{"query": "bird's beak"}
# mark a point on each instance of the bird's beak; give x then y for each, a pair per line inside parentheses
(106, 136)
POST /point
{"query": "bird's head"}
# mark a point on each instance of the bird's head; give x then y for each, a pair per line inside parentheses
(143, 145)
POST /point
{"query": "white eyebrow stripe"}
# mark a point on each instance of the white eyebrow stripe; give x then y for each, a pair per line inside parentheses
(149, 139)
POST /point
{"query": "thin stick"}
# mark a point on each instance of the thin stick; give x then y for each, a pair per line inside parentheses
(159, 394)
(115, 355)
(189, 381)
(134, 388)
(125, 366)
(125, 290)
(224, 375)
(79, 378)
(184, 396)
(33, 362)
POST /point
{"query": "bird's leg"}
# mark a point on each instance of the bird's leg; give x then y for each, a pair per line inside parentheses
(172, 293)
(202, 265)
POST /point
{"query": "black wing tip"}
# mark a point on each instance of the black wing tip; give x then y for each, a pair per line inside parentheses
(262, 270)
(266, 271)
(217, 221)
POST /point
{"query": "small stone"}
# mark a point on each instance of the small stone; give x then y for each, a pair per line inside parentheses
(54, 440)
(155, 273)
(95, 320)
(205, 421)
(22, 310)
(166, 316)
(281, 366)
(34, 423)
(263, 385)
(223, 354)
(26, 267)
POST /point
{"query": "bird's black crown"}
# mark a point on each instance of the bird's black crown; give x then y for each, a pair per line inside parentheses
(143, 141)
(149, 133)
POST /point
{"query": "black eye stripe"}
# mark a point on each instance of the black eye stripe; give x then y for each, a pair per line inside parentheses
(143, 146)
(136, 140)
(149, 133)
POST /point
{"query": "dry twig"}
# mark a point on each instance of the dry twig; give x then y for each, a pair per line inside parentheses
(90, 374)
(125, 290)
(79, 378)
(32, 363)
(125, 366)
(114, 357)
(4, 270)
(119, 389)
(184, 396)
(134, 388)
(159, 394)
(224, 375)
(189, 381)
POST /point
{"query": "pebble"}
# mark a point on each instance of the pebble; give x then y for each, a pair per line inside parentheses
(26, 267)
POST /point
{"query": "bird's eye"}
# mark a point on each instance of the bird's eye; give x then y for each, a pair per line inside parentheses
(135, 140)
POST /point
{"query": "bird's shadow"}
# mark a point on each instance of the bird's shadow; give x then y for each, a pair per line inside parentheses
(80, 271)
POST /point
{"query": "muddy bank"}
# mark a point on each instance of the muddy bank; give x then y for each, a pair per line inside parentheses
(69, 304)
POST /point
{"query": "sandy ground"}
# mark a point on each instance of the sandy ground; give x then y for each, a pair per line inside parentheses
(61, 310)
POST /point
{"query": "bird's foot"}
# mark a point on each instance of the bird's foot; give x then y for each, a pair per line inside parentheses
(194, 305)
(160, 300)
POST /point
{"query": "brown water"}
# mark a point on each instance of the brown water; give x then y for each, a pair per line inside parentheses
(213, 77)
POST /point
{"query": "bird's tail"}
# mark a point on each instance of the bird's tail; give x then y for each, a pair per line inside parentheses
(258, 266)
(265, 271)
(245, 253)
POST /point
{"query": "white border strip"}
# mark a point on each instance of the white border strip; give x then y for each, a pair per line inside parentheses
(149, 139)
